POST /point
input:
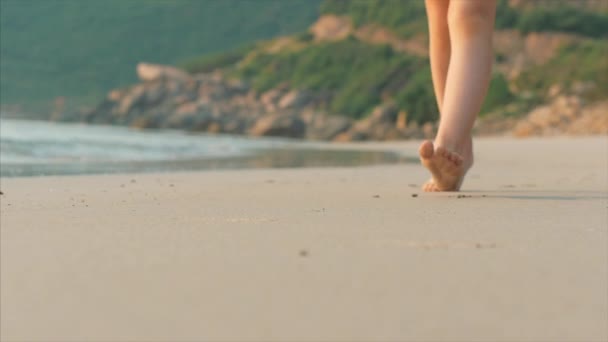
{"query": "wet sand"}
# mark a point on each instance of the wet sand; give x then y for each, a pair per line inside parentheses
(321, 254)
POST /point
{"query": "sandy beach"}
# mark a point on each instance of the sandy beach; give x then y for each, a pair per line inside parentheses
(317, 254)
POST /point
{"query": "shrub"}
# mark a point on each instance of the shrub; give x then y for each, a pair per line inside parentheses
(208, 63)
(498, 94)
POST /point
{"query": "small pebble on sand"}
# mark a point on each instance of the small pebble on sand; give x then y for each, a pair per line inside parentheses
(303, 253)
(414, 195)
(376, 196)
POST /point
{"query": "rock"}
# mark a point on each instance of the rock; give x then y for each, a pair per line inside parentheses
(279, 125)
(565, 115)
(566, 108)
(201, 122)
(238, 86)
(412, 132)
(146, 122)
(101, 113)
(332, 27)
(543, 117)
(382, 131)
(132, 99)
(270, 99)
(385, 113)
(294, 99)
(214, 128)
(190, 116)
(581, 88)
(154, 94)
(187, 108)
(429, 130)
(592, 120)
(327, 127)
(234, 126)
(393, 133)
(554, 90)
(351, 136)
(402, 120)
(524, 129)
(115, 95)
(542, 46)
(155, 72)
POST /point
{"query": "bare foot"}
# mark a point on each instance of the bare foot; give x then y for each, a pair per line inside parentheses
(447, 168)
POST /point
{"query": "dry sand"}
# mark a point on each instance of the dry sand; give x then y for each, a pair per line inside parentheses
(338, 254)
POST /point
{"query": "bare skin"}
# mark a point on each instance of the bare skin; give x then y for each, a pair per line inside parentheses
(461, 64)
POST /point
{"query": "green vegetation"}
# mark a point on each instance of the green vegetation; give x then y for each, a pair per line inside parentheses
(582, 61)
(357, 77)
(218, 60)
(81, 49)
(407, 18)
(498, 94)
(563, 18)
(402, 17)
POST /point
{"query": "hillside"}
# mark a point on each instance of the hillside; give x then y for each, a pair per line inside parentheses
(361, 72)
(82, 49)
(362, 53)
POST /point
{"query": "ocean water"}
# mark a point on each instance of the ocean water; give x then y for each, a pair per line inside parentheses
(38, 148)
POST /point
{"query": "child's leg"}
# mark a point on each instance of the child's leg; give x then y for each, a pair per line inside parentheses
(439, 36)
(471, 24)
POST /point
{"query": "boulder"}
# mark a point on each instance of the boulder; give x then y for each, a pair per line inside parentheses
(146, 122)
(154, 94)
(429, 130)
(543, 117)
(115, 95)
(155, 72)
(385, 113)
(279, 125)
(294, 99)
(592, 120)
(327, 127)
(132, 99)
(351, 135)
(187, 108)
(525, 129)
(270, 99)
(582, 88)
(554, 90)
(189, 116)
(234, 125)
(332, 27)
(237, 86)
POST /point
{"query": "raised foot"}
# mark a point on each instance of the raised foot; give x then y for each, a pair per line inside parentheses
(446, 167)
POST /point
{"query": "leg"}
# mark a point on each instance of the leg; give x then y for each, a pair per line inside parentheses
(440, 47)
(470, 25)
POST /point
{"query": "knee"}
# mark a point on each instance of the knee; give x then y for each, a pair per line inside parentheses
(470, 17)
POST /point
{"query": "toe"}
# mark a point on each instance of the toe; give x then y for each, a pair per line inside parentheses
(429, 186)
(441, 151)
(426, 150)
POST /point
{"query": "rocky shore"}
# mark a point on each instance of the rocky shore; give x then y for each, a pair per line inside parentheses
(170, 98)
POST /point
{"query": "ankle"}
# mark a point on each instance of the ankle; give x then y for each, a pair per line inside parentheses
(461, 146)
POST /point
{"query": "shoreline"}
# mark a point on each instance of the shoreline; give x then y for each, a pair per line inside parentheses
(315, 254)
